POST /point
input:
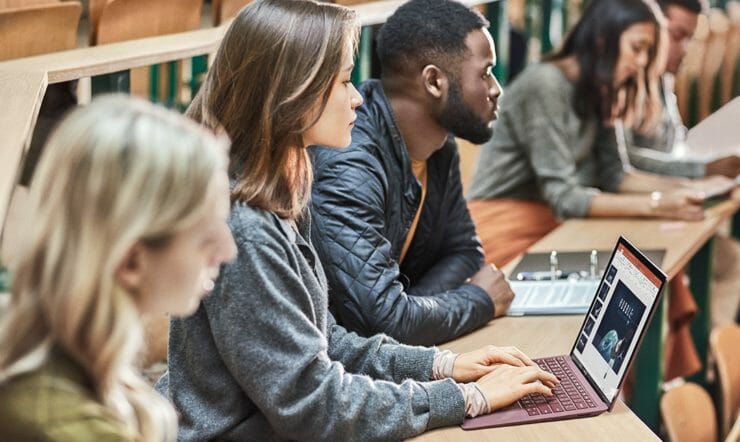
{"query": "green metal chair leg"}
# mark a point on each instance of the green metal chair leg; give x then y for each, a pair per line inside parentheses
(700, 275)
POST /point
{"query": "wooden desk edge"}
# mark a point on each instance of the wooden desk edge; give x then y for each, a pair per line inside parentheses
(17, 123)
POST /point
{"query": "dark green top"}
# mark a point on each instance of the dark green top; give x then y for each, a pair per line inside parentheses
(56, 403)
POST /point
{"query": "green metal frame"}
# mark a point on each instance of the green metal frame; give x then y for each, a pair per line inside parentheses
(700, 276)
(111, 83)
(648, 369)
(499, 29)
(364, 57)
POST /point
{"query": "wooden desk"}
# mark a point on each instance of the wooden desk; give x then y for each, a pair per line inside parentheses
(687, 245)
(541, 336)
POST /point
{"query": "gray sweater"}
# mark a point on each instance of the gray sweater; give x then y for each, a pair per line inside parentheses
(262, 359)
(542, 150)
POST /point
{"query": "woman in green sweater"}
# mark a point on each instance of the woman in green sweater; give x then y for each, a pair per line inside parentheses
(130, 208)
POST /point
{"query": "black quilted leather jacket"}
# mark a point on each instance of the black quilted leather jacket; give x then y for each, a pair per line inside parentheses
(363, 203)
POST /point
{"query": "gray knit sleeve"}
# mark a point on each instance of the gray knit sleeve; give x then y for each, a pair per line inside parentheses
(264, 323)
(379, 356)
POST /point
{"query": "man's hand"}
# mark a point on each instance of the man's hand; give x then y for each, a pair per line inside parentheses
(726, 166)
(493, 281)
(472, 365)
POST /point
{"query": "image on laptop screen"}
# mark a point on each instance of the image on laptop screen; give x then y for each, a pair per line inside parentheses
(616, 318)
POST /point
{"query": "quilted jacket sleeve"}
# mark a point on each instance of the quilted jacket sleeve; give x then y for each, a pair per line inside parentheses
(348, 204)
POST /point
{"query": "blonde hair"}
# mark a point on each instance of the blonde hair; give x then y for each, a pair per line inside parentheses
(278, 59)
(116, 172)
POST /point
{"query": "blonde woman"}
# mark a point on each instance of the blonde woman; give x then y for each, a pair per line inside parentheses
(263, 359)
(130, 216)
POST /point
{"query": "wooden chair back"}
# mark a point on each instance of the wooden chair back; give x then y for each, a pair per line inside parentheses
(34, 30)
(688, 73)
(688, 414)
(9, 4)
(715, 54)
(725, 345)
(121, 20)
(225, 10)
(731, 63)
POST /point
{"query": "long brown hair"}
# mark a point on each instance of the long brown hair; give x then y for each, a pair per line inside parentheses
(278, 59)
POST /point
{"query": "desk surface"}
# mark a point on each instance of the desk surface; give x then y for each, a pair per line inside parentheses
(540, 336)
(681, 240)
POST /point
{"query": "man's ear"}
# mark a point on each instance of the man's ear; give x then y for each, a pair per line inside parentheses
(435, 80)
(130, 271)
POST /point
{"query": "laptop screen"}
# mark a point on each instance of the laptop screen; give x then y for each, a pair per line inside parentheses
(617, 318)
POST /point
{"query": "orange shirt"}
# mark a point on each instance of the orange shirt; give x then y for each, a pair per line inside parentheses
(419, 168)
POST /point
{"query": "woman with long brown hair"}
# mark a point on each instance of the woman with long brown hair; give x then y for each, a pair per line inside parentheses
(263, 358)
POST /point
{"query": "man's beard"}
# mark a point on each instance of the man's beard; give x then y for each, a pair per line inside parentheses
(460, 120)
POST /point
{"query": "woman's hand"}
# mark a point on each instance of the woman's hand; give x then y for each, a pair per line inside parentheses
(507, 383)
(471, 366)
(683, 204)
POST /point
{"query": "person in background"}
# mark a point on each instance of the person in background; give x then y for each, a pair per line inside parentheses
(655, 151)
(554, 152)
(130, 207)
(263, 358)
(390, 219)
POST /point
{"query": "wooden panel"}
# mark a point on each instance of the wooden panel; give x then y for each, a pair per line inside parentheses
(38, 29)
(688, 414)
(21, 104)
(8, 4)
(225, 10)
(99, 60)
(131, 19)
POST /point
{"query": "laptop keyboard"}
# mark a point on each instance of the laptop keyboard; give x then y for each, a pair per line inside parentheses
(568, 395)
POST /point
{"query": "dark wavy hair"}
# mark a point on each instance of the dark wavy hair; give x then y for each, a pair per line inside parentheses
(594, 41)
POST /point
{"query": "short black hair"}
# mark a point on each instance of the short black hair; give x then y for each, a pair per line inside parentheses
(423, 32)
(695, 6)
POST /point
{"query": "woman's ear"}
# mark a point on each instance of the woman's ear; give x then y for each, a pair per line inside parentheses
(435, 80)
(130, 271)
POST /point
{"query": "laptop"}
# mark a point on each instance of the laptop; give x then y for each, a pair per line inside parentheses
(592, 375)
